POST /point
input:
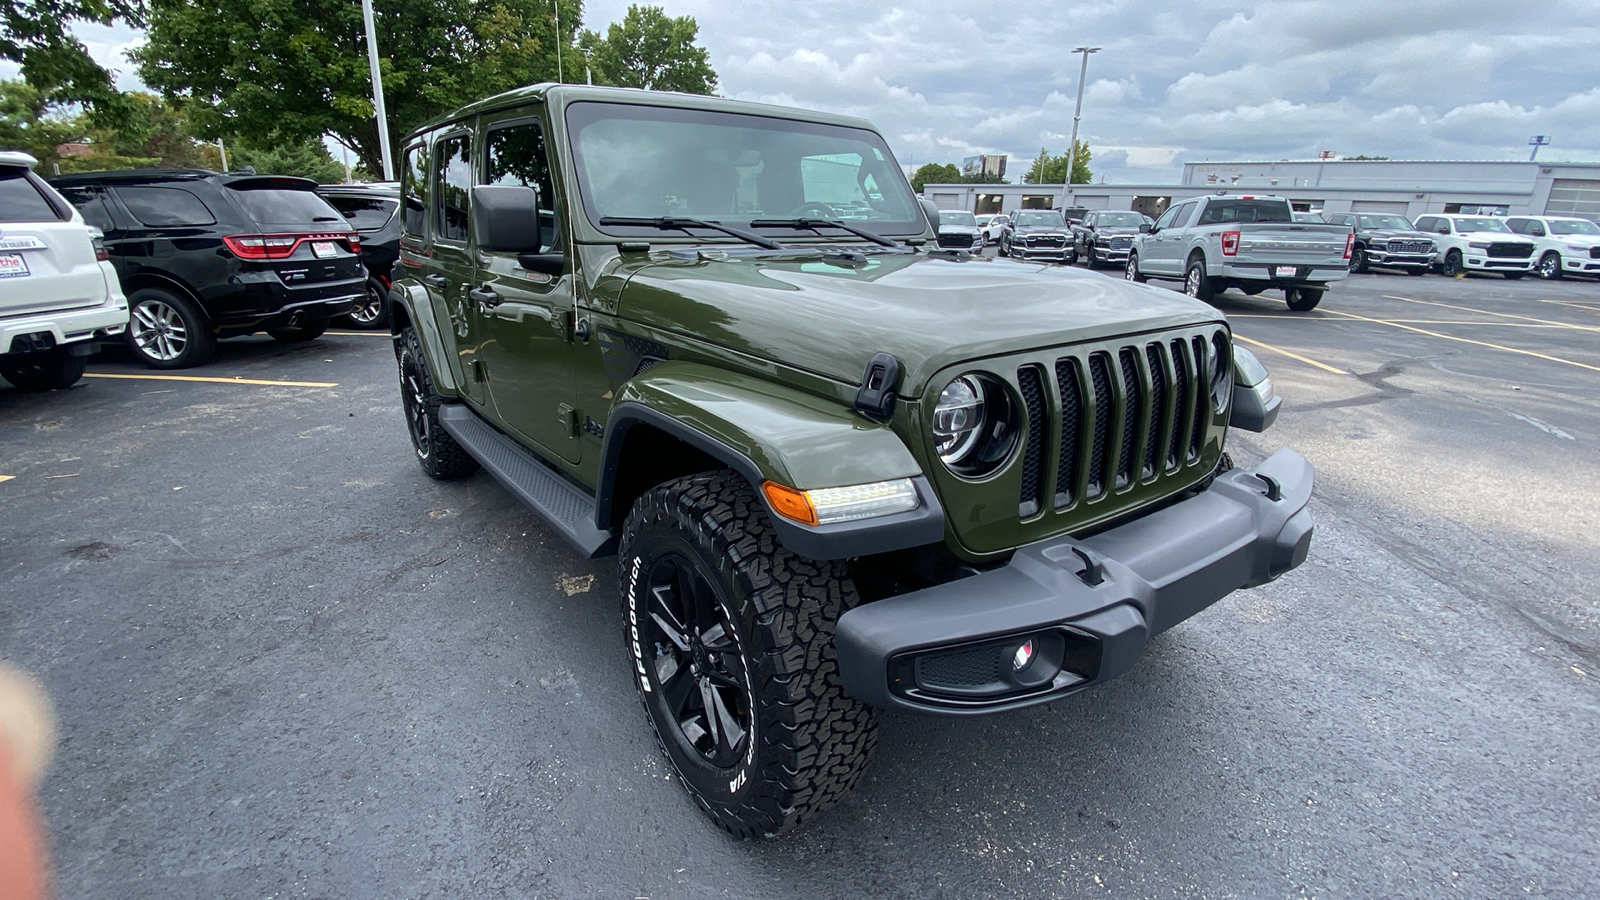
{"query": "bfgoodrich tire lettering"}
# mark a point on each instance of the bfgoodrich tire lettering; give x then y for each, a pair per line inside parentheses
(437, 452)
(758, 656)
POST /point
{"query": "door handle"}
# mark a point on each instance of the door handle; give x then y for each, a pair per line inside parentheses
(485, 297)
(438, 281)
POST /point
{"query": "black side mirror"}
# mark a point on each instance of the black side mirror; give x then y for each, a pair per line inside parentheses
(505, 218)
(930, 211)
(1146, 228)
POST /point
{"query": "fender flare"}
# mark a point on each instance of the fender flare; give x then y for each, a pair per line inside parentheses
(412, 301)
(766, 432)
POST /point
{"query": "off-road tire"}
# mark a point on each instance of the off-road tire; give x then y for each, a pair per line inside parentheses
(299, 334)
(1550, 266)
(1131, 270)
(150, 309)
(53, 370)
(437, 452)
(1195, 282)
(806, 743)
(1303, 299)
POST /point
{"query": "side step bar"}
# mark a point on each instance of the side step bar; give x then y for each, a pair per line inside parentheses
(566, 508)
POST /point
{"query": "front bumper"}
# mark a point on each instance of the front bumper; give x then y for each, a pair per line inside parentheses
(1500, 264)
(1401, 260)
(1059, 254)
(1100, 253)
(1090, 605)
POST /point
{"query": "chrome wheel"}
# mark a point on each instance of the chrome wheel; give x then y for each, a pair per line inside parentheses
(1191, 282)
(1550, 267)
(158, 330)
(369, 313)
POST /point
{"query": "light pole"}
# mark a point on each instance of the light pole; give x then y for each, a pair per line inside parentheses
(1537, 141)
(1077, 112)
(557, 5)
(377, 91)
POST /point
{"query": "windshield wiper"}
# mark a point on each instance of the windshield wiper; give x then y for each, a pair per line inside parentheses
(679, 223)
(814, 224)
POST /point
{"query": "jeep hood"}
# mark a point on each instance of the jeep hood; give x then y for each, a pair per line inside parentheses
(927, 312)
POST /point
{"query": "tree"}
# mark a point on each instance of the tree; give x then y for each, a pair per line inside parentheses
(151, 133)
(275, 71)
(1049, 169)
(649, 50)
(934, 173)
(31, 121)
(306, 159)
(1362, 157)
(33, 34)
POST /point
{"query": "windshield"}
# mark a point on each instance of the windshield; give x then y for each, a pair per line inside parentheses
(1476, 223)
(1570, 226)
(957, 217)
(1120, 220)
(648, 162)
(1393, 223)
(1043, 219)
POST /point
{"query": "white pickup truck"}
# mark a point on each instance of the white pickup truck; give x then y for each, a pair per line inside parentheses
(1249, 243)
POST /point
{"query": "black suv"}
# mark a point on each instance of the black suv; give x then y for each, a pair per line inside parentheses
(370, 209)
(204, 256)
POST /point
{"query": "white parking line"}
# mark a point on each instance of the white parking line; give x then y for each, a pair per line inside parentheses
(211, 380)
(1485, 312)
(1451, 337)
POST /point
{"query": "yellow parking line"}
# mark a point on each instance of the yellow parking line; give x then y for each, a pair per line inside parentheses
(1451, 337)
(1574, 304)
(211, 380)
(6, 477)
(1485, 312)
(1307, 360)
(1533, 324)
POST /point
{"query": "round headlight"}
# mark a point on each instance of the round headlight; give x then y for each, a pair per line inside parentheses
(974, 425)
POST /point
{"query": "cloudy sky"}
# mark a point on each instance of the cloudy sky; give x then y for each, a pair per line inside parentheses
(1176, 80)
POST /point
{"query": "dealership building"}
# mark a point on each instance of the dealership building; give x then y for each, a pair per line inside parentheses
(1409, 188)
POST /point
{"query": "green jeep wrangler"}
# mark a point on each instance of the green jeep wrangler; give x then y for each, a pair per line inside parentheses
(843, 469)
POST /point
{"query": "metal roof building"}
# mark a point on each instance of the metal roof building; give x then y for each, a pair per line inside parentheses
(1408, 187)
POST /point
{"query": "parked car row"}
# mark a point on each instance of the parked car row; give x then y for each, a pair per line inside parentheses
(175, 259)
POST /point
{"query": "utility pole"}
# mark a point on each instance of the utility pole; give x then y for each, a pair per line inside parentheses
(377, 91)
(1537, 141)
(222, 152)
(1077, 112)
(559, 76)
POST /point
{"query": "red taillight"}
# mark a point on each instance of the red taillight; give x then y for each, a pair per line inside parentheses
(355, 243)
(281, 246)
(1349, 244)
(1230, 243)
(100, 253)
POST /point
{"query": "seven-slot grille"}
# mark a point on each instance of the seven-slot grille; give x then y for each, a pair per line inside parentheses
(1509, 250)
(1119, 415)
(1407, 246)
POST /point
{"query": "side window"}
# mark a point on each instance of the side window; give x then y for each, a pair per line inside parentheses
(414, 189)
(1534, 228)
(1184, 213)
(452, 187)
(1166, 218)
(165, 207)
(20, 201)
(91, 205)
(516, 156)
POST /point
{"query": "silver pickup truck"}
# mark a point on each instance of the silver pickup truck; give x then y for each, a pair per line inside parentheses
(1249, 243)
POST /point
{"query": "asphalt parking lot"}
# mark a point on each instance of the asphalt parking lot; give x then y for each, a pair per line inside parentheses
(287, 664)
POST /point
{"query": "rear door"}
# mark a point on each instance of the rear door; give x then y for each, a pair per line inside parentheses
(47, 260)
(526, 317)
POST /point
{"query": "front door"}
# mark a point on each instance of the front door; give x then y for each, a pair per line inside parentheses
(526, 317)
(1163, 247)
(448, 276)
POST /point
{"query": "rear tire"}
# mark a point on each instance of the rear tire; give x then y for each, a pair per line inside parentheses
(299, 334)
(1195, 282)
(1131, 272)
(52, 370)
(437, 452)
(168, 331)
(373, 312)
(1550, 266)
(1358, 259)
(1302, 299)
(732, 643)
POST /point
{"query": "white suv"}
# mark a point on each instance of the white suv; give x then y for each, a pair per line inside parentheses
(58, 292)
(1565, 244)
(1478, 243)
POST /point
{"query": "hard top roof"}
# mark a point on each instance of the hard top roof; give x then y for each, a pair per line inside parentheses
(562, 94)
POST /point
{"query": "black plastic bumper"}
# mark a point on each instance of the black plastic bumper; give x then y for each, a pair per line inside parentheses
(1087, 606)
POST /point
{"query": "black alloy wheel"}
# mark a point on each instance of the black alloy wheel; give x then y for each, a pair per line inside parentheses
(731, 641)
(437, 452)
(1550, 266)
(1358, 260)
(1452, 264)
